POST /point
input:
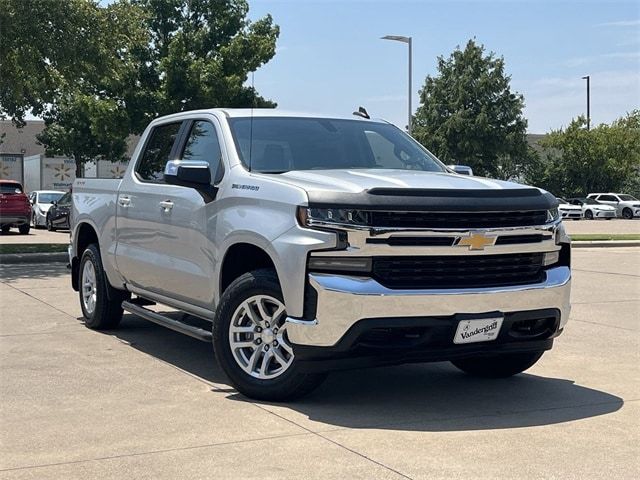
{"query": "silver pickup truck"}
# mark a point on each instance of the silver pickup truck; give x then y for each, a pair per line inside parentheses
(301, 244)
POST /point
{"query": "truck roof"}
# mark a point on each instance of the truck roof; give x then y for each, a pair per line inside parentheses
(273, 112)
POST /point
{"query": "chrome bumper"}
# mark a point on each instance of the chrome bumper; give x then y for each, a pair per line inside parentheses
(344, 300)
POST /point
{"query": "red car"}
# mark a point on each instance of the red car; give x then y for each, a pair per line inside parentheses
(15, 209)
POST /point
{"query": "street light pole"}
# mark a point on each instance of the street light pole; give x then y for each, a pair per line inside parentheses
(588, 78)
(409, 42)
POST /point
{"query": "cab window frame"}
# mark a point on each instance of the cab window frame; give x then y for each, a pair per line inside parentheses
(172, 153)
(184, 139)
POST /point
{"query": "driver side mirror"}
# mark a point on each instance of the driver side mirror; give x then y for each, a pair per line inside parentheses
(187, 173)
(191, 173)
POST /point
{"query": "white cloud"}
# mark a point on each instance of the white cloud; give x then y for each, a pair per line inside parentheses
(580, 61)
(552, 102)
(621, 23)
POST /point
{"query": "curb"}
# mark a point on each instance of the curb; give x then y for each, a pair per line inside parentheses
(605, 243)
(19, 258)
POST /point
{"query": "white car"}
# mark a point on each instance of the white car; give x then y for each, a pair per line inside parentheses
(627, 206)
(41, 201)
(594, 210)
(568, 211)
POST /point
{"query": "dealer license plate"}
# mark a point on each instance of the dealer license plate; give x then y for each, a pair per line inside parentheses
(478, 330)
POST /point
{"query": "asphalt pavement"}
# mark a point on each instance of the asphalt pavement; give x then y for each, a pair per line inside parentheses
(147, 403)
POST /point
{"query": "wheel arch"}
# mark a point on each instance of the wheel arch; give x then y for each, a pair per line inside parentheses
(240, 258)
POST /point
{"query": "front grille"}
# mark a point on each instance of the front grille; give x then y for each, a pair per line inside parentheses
(460, 271)
(463, 220)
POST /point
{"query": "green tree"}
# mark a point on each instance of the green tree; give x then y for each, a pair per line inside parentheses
(144, 58)
(577, 161)
(48, 46)
(469, 115)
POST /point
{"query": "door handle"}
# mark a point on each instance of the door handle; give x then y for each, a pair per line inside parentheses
(124, 201)
(166, 205)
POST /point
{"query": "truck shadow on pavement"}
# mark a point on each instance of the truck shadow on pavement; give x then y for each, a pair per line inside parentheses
(419, 397)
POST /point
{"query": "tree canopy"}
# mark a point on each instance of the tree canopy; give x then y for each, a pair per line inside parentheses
(577, 161)
(469, 115)
(97, 73)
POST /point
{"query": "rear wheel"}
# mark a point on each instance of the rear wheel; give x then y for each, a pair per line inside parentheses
(498, 366)
(24, 228)
(5, 228)
(101, 303)
(251, 344)
(627, 214)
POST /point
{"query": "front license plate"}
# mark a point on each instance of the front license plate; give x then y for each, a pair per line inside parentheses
(478, 330)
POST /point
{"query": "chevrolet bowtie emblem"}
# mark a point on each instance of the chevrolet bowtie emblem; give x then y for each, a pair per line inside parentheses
(476, 241)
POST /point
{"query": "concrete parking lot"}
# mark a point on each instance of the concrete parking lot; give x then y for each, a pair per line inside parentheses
(145, 402)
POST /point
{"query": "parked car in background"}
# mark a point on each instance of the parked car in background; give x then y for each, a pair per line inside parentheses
(592, 209)
(58, 214)
(567, 210)
(627, 206)
(41, 202)
(15, 209)
(461, 169)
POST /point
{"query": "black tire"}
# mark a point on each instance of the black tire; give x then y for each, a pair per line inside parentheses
(588, 215)
(498, 366)
(50, 226)
(627, 214)
(24, 228)
(108, 303)
(293, 383)
(5, 228)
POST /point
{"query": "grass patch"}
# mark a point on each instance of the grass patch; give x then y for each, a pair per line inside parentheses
(591, 237)
(33, 248)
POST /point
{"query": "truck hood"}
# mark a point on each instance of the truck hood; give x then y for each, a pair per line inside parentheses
(415, 190)
(357, 181)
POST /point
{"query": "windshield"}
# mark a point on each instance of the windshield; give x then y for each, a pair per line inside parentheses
(281, 144)
(561, 200)
(49, 197)
(591, 201)
(627, 198)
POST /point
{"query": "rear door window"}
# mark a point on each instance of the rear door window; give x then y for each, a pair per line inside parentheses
(156, 152)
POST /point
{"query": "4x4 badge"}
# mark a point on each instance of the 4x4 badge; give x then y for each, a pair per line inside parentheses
(476, 241)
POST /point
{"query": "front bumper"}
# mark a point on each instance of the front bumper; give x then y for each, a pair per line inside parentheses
(343, 301)
(604, 214)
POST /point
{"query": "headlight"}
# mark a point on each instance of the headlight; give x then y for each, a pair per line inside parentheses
(337, 216)
(552, 215)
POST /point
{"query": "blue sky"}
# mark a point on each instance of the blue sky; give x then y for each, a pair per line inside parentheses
(330, 58)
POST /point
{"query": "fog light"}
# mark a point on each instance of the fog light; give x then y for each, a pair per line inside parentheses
(346, 264)
(550, 258)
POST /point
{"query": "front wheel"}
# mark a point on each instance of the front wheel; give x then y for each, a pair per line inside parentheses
(251, 344)
(101, 303)
(627, 214)
(5, 228)
(498, 366)
(588, 215)
(50, 226)
(24, 228)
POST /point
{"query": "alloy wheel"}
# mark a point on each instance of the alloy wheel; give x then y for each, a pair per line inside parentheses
(257, 337)
(89, 287)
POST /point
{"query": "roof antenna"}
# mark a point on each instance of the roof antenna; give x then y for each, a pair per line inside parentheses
(253, 102)
(362, 112)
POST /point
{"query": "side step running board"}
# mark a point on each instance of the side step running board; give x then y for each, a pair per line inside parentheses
(195, 332)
